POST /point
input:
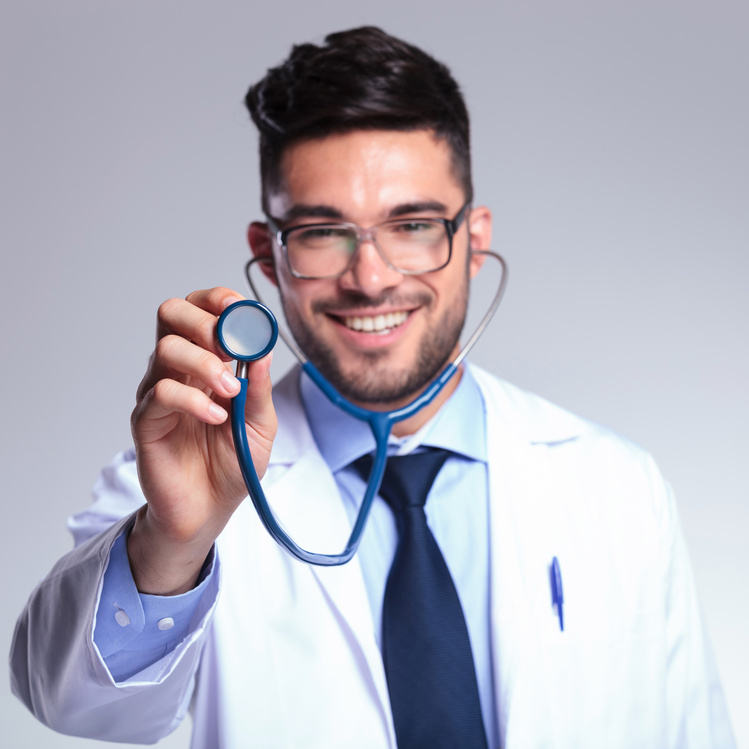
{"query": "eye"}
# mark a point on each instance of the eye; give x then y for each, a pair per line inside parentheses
(414, 227)
(319, 234)
(417, 230)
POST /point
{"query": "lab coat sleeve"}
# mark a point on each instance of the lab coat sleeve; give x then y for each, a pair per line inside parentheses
(697, 712)
(56, 668)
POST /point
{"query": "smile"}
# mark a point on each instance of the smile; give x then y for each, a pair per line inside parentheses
(380, 324)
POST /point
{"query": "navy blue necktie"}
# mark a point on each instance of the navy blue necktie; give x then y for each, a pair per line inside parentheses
(425, 646)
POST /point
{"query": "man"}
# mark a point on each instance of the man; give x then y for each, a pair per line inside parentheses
(363, 140)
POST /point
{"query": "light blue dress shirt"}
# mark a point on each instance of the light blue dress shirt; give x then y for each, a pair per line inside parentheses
(134, 630)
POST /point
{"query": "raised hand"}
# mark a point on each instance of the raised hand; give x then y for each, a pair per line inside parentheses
(186, 461)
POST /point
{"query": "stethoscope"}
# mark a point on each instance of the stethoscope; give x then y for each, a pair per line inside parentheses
(247, 331)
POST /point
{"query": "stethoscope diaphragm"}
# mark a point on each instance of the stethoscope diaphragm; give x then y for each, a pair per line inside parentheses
(247, 330)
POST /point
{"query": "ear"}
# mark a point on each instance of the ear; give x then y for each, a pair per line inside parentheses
(480, 234)
(261, 244)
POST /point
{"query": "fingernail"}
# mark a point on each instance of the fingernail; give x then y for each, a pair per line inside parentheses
(230, 383)
(230, 300)
(217, 412)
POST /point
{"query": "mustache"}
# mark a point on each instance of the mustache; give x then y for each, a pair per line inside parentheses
(349, 301)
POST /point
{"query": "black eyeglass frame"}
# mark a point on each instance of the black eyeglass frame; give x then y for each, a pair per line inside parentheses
(451, 226)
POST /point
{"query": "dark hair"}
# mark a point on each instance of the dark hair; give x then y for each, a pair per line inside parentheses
(361, 79)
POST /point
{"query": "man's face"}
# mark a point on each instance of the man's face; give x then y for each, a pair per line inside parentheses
(367, 177)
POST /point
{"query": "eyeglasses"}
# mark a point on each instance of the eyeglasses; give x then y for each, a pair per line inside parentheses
(408, 246)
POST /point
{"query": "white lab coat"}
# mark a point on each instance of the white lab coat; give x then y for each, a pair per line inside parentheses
(287, 656)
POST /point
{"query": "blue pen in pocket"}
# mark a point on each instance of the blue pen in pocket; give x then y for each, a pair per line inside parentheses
(557, 595)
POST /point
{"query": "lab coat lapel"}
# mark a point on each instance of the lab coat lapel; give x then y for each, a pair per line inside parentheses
(343, 585)
(514, 480)
(522, 546)
(306, 476)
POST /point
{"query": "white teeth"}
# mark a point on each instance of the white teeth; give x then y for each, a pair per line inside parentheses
(378, 323)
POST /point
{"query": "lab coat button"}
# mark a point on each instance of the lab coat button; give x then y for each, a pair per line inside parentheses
(165, 623)
(122, 618)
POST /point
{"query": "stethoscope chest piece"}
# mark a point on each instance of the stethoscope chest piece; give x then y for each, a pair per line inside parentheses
(247, 330)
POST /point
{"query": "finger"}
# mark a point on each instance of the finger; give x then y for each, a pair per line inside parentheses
(175, 356)
(182, 317)
(260, 414)
(157, 413)
(214, 300)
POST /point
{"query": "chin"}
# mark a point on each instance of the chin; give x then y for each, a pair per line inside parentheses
(373, 385)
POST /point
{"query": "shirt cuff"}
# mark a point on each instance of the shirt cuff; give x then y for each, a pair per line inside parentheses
(133, 630)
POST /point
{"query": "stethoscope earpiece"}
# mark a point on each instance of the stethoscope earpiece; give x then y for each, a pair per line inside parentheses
(247, 330)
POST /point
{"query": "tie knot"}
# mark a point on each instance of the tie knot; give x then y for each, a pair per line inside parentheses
(408, 478)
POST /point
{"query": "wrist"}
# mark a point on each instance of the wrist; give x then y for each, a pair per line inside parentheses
(162, 565)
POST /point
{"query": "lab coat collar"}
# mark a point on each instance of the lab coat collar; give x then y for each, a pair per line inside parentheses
(528, 417)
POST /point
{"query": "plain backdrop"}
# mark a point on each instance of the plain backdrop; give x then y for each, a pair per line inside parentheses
(609, 138)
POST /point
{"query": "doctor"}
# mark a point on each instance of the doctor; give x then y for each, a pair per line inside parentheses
(176, 600)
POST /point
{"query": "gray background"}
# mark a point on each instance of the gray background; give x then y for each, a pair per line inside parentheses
(610, 139)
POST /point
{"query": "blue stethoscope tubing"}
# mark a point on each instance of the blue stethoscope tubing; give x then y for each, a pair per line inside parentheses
(380, 422)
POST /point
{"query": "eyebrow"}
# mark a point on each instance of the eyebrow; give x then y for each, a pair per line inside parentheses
(310, 211)
(424, 206)
(325, 211)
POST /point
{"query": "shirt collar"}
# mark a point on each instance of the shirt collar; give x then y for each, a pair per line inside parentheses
(459, 426)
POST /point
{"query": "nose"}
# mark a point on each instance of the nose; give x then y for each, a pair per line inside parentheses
(370, 273)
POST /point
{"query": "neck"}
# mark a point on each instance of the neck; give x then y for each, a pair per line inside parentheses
(414, 423)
